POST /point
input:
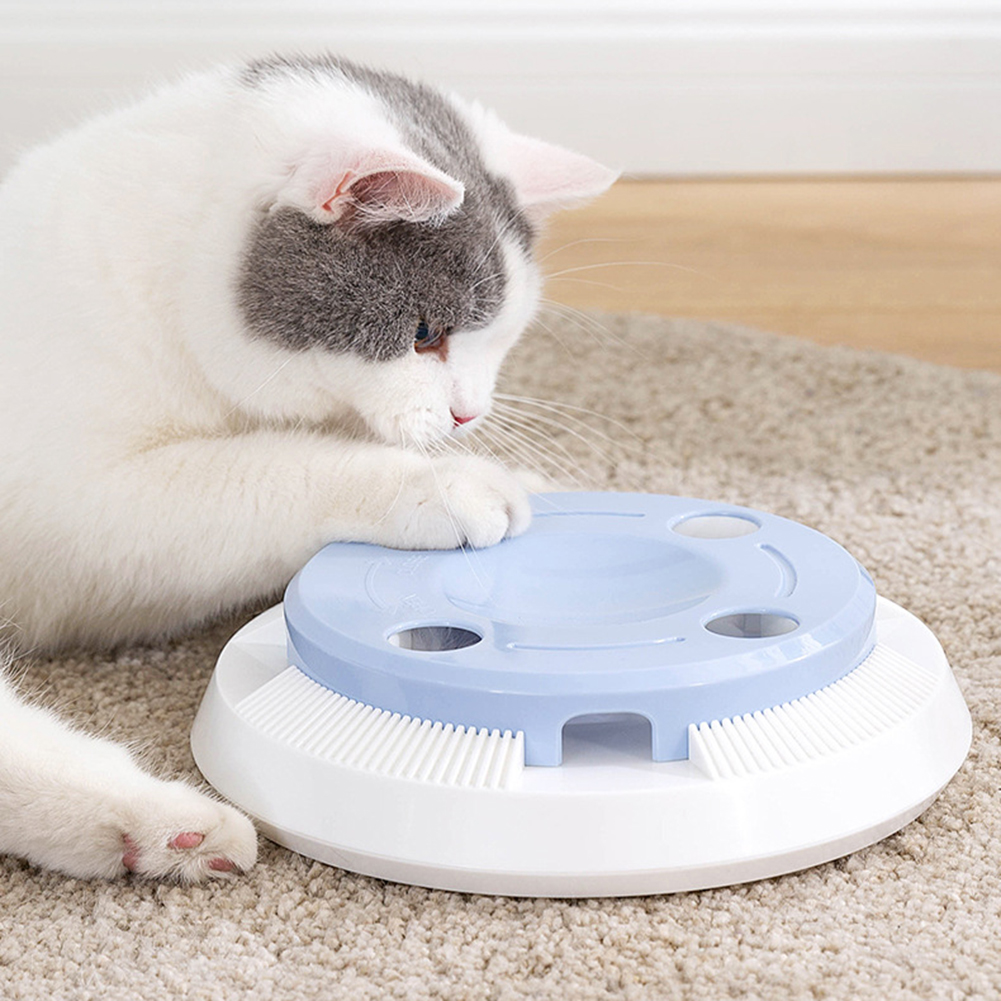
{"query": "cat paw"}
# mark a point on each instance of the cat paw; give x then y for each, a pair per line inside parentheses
(182, 835)
(456, 501)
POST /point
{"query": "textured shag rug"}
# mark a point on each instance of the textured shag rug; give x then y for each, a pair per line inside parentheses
(898, 460)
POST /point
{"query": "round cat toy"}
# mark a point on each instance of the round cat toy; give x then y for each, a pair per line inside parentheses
(641, 694)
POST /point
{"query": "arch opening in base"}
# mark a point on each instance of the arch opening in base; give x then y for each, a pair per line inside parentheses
(607, 736)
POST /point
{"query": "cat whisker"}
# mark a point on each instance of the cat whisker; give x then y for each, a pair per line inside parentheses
(558, 407)
(522, 453)
(396, 499)
(527, 425)
(508, 416)
(586, 281)
(592, 326)
(539, 321)
(502, 231)
(520, 436)
(468, 551)
(631, 264)
(576, 243)
(503, 451)
(523, 412)
(254, 392)
(486, 278)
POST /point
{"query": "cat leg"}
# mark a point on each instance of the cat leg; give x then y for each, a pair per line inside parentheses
(82, 806)
(177, 534)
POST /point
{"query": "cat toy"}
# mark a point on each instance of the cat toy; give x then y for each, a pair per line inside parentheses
(641, 694)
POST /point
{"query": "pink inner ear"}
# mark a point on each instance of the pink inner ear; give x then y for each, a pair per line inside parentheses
(547, 177)
(403, 194)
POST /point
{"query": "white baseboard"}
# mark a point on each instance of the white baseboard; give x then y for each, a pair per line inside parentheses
(651, 86)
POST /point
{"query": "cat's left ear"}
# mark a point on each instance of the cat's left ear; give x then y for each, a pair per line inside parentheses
(547, 177)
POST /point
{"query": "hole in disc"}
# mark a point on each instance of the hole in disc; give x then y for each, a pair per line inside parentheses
(434, 638)
(716, 526)
(752, 625)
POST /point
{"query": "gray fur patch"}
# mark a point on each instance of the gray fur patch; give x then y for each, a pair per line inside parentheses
(365, 289)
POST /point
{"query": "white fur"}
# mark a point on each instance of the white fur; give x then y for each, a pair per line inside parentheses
(157, 464)
(68, 801)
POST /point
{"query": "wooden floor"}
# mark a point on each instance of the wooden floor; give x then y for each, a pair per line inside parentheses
(910, 266)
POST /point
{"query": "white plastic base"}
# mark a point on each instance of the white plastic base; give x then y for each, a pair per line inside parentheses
(416, 802)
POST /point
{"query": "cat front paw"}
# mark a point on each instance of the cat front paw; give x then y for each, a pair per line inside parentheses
(182, 835)
(456, 501)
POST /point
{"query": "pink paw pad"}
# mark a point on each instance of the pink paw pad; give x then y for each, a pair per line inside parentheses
(182, 841)
(130, 856)
(187, 839)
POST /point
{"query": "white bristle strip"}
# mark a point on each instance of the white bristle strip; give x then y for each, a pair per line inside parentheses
(464, 768)
(883, 690)
(291, 696)
(513, 763)
(452, 759)
(434, 763)
(259, 702)
(803, 749)
(860, 725)
(738, 747)
(352, 729)
(299, 699)
(790, 751)
(488, 748)
(765, 722)
(823, 729)
(379, 760)
(488, 761)
(763, 734)
(875, 703)
(325, 728)
(374, 738)
(757, 744)
(495, 764)
(727, 762)
(429, 754)
(474, 765)
(415, 739)
(296, 710)
(299, 731)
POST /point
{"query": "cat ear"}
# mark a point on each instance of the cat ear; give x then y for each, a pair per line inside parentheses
(548, 177)
(378, 187)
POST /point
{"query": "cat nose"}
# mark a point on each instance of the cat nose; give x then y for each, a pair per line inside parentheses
(461, 420)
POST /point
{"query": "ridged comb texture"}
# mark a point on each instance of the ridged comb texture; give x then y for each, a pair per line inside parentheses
(302, 714)
(883, 690)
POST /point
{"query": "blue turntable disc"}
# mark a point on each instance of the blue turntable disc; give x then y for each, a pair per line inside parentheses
(673, 609)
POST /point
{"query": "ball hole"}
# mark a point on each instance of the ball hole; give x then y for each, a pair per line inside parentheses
(434, 638)
(716, 526)
(752, 625)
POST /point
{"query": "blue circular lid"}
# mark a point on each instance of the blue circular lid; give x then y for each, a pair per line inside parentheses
(678, 610)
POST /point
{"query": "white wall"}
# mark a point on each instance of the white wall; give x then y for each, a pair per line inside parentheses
(655, 86)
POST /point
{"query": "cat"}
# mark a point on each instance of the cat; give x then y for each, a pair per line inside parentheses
(237, 321)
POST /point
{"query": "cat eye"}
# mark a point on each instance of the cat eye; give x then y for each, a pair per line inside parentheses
(425, 338)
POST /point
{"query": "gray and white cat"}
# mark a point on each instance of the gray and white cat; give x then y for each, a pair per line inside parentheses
(235, 321)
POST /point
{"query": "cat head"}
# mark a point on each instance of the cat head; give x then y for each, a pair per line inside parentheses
(392, 252)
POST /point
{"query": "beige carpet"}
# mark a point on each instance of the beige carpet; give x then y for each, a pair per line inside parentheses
(898, 460)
